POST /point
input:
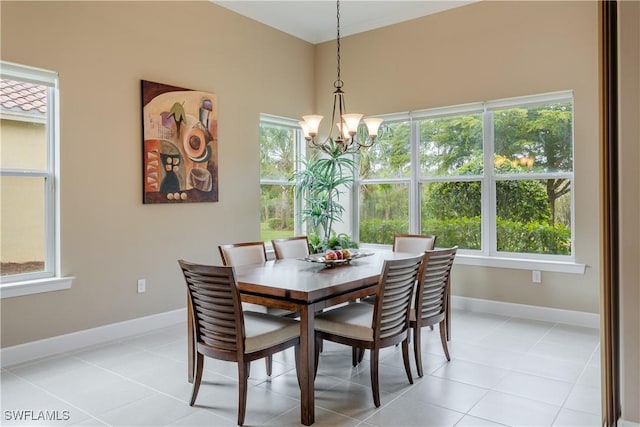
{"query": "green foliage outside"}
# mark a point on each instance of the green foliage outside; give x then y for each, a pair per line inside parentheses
(513, 236)
(276, 163)
(267, 233)
(517, 200)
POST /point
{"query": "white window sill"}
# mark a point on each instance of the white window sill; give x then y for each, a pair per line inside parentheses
(17, 289)
(520, 264)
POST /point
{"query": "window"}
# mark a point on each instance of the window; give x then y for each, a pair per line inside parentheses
(494, 178)
(28, 191)
(280, 145)
(384, 184)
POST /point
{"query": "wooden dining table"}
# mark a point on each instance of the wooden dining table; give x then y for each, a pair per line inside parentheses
(307, 288)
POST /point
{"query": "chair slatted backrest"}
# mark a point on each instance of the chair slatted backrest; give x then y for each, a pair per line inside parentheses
(393, 299)
(292, 247)
(215, 306)
(431, 301)
(237, 254)
(413, 243)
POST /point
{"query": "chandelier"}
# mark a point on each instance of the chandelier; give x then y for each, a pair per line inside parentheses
(344, 135)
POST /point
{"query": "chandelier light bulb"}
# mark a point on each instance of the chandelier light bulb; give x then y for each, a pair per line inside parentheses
(373, 124)
(313, 123)
(352, 121)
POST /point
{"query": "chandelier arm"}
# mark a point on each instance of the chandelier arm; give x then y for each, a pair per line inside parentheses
(369, 145)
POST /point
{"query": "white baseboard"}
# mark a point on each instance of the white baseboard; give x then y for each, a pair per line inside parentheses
(547, 314)
(76, 340)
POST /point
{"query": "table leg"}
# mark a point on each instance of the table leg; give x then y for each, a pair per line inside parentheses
(307, 361)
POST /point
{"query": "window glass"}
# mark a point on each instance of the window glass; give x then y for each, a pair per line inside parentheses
(22, 220)
(384, 211)
(277, 145)
(23, 140)
(451, 145)
(451, 210)
(528, 220)
(390, 156)
(278, 162)
(277, 211)
(534, 139)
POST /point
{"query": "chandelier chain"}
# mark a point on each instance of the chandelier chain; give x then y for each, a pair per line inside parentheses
(338, 83)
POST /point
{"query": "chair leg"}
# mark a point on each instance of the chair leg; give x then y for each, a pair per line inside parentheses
(197, 378)
(443, 338)
(405, 358)
(357, 354)
(269, 364)
(417, 350)
(243, 376)
(318, 345)
(375, 383)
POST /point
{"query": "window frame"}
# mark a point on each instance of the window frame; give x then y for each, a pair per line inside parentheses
(488, 255)
(298, 156)
(50, 278)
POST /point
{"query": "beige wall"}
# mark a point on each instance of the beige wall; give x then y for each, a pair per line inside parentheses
(629, 54)
(109, 238)
(486, 51)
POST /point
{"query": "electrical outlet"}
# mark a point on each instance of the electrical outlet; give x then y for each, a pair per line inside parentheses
(142, 285)
(536, 276)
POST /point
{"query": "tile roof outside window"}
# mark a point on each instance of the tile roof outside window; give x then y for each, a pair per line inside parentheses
(22, 97)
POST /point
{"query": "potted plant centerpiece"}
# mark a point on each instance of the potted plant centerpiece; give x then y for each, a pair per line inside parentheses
(320, 183)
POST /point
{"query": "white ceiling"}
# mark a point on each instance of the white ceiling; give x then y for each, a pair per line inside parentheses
(315, 21)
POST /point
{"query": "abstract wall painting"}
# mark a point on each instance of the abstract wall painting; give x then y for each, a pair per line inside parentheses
(180, 144)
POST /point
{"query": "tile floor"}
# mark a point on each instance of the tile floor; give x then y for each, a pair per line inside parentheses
(503, 371)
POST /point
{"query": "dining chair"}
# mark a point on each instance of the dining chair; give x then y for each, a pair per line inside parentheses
(223, 331)
(413, 243)
(383, 324)
(236, 254)
(410, 243)
(291, 247)
(431, 300)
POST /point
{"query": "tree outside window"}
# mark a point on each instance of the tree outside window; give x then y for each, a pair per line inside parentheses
(278, 148)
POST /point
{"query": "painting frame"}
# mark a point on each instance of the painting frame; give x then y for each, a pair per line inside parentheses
(179, 144)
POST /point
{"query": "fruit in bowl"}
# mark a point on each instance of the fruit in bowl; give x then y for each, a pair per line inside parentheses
(336, 255)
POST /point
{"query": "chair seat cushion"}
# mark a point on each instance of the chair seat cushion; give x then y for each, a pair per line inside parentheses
(264, 330)
(351, 321)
